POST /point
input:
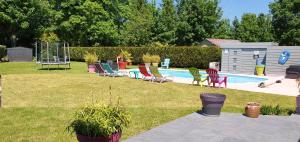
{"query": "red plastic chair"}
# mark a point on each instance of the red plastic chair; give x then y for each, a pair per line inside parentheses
(145, 74)
(215, 78)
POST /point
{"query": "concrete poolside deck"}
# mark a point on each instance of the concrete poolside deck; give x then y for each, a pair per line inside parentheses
(287, 87)
(229, 127)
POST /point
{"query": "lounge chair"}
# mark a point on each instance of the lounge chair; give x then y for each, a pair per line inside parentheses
(109, 70)
(113, 65)
(157, 76)
(145, 74)
(100, 70)
(165, 63)
(214, 78)
(197, 76)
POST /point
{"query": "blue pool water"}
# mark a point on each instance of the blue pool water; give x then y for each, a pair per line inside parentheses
(231, 78)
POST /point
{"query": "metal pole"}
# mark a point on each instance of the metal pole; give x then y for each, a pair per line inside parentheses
(48, 52)
(57, 57)
(68, 46)
(0, 91)
(36, 58)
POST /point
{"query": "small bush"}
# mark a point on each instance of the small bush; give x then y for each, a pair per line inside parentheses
(3, 51)
(147, 58)
(99, 120)
(90, 58)
(275, 110)
(155, 59)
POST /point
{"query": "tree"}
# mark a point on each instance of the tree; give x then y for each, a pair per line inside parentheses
(23, 21)
(197, 20)
(138, 28)
(165, 25)
(248, 28)
(265, 32)
(88, 22)
(235, 24)
(224, 30)
(286, 21)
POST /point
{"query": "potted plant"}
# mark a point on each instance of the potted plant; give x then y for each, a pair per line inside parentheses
(212, 103)
(155, 59)
(298, 97)
(252, 110)
(91, 59)
(147, 60)
(99, 123)
(125, 58)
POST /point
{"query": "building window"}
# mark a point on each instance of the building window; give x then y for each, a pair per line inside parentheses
(234, 52)
(234, 60)
(234, 67)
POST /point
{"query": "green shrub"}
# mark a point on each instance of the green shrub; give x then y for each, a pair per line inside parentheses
(90, 58)
(147, 58)
(275, 110)
(99, 120)
(3, 51)
(155, 59)
(183, 56)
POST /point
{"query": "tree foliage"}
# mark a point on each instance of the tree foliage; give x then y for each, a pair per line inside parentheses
(142, 22)
(286, 21)
(196, 20)
(253, 28)
(23, 20)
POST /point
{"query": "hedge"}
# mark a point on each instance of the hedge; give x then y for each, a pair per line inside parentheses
(2, 51)
(191, 56)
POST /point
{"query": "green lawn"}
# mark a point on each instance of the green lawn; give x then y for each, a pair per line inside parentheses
(38, 104)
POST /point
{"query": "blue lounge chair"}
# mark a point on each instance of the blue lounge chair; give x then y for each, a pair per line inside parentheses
(165, 63)
(109, 70)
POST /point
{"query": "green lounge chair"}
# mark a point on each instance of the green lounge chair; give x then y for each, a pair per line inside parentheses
(109, 70)
(157, 76)
(197, 76)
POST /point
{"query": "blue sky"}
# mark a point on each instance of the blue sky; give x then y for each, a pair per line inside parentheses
(232, 8)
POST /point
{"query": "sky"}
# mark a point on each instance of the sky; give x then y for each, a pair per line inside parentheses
(232, 8)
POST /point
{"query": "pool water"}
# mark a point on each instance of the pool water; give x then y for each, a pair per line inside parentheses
(231, 77)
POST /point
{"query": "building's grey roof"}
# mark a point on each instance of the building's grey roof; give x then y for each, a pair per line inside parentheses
(249, 45)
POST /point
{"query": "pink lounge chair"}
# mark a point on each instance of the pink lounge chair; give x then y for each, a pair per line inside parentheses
(145, 74)
(215, 78)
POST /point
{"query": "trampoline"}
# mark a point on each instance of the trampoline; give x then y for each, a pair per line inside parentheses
(53, 53)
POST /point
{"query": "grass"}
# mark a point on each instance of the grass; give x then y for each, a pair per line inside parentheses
(38, 104)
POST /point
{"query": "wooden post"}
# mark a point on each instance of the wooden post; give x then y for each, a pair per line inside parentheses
(0, 90)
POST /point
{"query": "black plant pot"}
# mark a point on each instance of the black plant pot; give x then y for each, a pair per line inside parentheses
(212, 103)
(298, 104)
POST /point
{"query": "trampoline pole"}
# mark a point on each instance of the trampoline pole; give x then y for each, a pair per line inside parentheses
(48, 55)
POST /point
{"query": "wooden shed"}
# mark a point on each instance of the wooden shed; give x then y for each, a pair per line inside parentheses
(240, 58)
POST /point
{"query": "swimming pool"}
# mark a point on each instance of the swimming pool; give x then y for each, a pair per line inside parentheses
(232, 78)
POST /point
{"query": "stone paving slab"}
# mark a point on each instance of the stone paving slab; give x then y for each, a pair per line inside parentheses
(229, 127)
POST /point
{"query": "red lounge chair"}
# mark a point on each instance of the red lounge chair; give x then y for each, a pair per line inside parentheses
(145, 74)
(215, 78)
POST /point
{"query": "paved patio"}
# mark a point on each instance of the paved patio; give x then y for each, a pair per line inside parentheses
(228, 127)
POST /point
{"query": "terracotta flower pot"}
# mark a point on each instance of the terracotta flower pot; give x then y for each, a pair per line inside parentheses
(129, 63)
(298, 104)
(91, 68)
(122, 65)
(113, 138)
(252, 110)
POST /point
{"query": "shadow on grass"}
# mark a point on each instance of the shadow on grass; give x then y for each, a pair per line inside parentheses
(45, 69)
